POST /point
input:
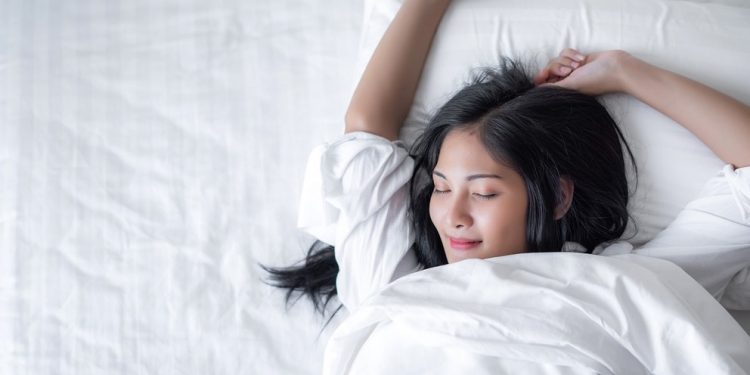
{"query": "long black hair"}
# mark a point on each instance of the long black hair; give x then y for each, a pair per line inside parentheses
(544, 133)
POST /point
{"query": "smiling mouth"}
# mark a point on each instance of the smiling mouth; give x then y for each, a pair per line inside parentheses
(463, 244)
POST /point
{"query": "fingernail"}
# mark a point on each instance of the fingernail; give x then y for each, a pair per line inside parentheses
(575, 64)
(580, 57)
(565, 70)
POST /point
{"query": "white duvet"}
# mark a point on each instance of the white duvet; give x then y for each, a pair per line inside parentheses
(549, 313)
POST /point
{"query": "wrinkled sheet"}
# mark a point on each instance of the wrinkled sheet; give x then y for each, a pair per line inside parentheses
(152, 154)
(542, 313)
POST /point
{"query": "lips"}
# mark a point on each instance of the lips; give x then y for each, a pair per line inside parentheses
(463, 243)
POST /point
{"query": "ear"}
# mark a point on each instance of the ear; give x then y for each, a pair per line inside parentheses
(567, 188)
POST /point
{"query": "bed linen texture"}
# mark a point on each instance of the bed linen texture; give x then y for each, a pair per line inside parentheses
(152, 155)
(543, 313)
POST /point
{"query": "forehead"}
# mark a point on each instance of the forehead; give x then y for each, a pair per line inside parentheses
(464, 149)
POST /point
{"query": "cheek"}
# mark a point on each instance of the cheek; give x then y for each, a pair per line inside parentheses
(433, 211)
(492, 219)
(516, 222)
(505, 223)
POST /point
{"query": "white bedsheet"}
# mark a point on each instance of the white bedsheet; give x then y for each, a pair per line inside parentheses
(542, 313)
(152, 153)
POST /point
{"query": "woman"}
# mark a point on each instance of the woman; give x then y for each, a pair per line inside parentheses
(384, 96)
(507, 166)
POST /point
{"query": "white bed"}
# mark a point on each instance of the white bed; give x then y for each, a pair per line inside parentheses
(152, 154)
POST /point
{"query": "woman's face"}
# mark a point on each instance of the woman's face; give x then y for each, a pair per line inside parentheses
(479, 205)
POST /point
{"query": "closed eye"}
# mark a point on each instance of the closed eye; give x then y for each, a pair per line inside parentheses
(436, 191)
(485, 196)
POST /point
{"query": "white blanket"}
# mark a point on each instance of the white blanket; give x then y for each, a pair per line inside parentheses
(542, 313)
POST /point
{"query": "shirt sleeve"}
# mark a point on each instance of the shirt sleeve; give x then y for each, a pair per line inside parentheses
(355, 197)
(710, 238)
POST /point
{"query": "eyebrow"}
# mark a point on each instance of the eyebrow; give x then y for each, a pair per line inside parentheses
(470, 177)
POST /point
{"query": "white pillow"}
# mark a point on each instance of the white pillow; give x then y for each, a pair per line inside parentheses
(707, 42)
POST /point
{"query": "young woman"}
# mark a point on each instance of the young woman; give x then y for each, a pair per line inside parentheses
(508, 165)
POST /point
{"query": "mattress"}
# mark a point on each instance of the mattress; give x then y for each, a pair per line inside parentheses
(152, 155)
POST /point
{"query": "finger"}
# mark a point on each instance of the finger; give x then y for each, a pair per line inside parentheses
(566, 61)
(552, 73)
(573, 55)
(542, 76)
(561, 70)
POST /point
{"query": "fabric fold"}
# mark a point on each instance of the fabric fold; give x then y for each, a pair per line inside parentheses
(542, 313)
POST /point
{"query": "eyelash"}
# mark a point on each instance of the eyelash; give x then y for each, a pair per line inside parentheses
(480, 196)
(485, 197)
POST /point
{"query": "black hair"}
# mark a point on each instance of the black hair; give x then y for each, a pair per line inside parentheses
(316, 278)
(544, 133)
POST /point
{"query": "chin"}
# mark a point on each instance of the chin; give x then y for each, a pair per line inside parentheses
(463, 256)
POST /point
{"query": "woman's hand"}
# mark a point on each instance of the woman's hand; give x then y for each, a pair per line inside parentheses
(721, 122)
(594, 74)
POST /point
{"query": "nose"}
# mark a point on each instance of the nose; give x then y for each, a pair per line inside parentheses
(459, 215)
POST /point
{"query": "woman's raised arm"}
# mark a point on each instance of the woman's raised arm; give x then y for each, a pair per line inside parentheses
(721, 122)
(386, 90)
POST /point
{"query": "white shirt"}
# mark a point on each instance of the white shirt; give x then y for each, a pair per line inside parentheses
(355, 197)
